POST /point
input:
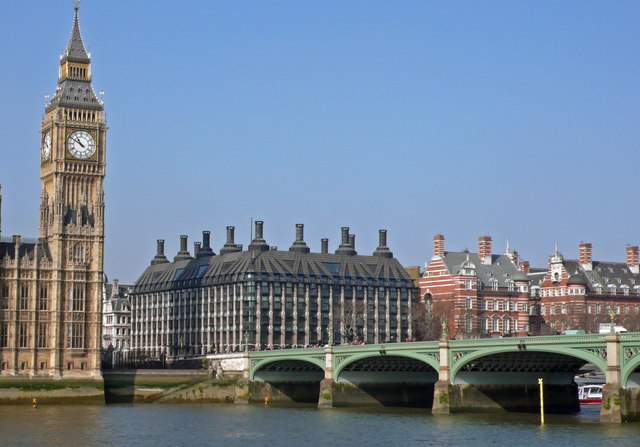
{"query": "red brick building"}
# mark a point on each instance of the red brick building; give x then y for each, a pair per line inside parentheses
(479, 294)
(582, 293)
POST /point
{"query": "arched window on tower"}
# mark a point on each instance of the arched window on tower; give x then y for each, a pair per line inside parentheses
(78, 254)
(77, 298)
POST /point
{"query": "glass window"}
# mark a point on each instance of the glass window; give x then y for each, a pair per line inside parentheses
(23, 335)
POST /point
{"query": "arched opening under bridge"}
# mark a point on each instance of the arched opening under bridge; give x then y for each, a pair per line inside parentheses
(389, 380)
(286, 381)
(509, 380)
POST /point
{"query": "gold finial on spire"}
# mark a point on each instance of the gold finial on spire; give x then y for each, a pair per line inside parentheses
(77, 2)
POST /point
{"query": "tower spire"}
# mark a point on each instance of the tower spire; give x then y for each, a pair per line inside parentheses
(74, 78)
(76, 51)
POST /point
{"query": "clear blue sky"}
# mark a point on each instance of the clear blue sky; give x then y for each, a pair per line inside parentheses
(512, 119)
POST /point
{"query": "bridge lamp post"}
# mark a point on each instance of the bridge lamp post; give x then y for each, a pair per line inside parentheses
(612, 316)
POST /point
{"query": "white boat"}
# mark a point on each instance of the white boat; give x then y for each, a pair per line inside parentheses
(590, 394)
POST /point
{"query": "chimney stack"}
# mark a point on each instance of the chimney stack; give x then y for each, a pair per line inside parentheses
(345, 247)
(258, 243)
(183, 254)
(352, 241)
(115, 291)
(438, 245)
(633, 259)
(585, 255)
(160, 258)
(382, 250)
(299, 245)
(230, 246)
(515, 257)
(196, 248)
(205, 249)
(524, 266)
(484, 249)
(324, 245)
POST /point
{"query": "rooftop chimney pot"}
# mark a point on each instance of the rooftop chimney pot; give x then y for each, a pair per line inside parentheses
(484, 249)
(633, 259)
(438, 245)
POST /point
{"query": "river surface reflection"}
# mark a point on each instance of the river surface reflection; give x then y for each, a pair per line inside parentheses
(236, 425)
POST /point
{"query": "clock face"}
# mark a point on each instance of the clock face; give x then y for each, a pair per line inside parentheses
(46, 146)
(81, 144)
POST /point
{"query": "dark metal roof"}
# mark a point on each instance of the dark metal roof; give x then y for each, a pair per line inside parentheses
(75, 93)
(76, 52)
(273, 265)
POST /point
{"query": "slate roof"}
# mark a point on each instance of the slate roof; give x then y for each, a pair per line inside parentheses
(501, 269)
(536, 276)
(273, 265)
(605, 274)
(27, 248)
(119, 299)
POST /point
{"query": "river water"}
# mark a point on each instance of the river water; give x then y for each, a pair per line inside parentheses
(241, 425)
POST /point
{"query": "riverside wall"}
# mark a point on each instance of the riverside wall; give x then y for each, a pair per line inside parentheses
(23, 390)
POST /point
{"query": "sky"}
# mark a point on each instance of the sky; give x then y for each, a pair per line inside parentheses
(511, 119)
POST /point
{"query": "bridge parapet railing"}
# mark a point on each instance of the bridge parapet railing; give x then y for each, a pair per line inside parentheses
(286, 352)
(387, 346)
(630, 336)
(544, 339)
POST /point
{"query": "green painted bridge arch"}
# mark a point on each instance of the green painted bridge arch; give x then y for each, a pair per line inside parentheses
(388, 356)
(630, 357)
(459, 354)
(291, 360)
(530, 354)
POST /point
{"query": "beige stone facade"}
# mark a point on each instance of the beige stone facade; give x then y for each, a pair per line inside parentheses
(51, 287)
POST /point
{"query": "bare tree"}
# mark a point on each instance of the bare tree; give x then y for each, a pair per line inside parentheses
(423, 324)
(428, 315)
(351, 316)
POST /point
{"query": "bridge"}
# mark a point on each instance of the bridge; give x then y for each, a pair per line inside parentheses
(452, 376)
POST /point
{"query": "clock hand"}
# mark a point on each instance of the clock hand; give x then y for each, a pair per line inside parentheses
(79, 142)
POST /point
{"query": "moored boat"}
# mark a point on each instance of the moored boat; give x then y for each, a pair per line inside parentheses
(590, 394)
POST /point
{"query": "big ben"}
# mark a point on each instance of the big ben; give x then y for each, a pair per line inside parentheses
(51, 286)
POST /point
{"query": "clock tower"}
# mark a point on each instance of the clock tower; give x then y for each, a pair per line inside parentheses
(72, 170)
